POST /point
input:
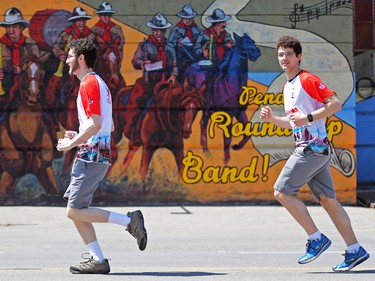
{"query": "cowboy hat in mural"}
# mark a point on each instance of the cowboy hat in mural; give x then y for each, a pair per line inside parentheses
(14, 16)
(105, 8)
(187, 12)
(159, 21)
(218, 16)
(79, 13)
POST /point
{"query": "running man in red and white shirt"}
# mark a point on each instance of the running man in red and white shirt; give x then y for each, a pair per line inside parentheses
(95, 98)
(304, 94)
(307, 102)
(93, 140)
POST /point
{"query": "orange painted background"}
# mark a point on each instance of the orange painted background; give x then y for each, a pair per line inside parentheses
(163, 183)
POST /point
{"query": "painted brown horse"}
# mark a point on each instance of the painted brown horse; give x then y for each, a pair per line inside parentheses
(25, 144)
(165, 124)
(108, 66)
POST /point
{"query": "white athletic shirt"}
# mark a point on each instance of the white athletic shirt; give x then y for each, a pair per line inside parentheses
(94, 97)
(306, 93)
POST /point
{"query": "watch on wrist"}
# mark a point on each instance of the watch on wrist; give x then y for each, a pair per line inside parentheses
(310, 117)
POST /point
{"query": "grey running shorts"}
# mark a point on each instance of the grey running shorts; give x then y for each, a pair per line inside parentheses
(84, 181)
(306, 167)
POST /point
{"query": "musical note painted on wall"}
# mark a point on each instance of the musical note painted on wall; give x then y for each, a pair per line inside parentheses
(301, 13)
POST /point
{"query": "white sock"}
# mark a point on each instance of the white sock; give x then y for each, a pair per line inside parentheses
(354, 248)
(315, 236)
(118, 218)
(95, 251)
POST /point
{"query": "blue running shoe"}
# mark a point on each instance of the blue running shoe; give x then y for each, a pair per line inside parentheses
(351, 260)
(314, 248)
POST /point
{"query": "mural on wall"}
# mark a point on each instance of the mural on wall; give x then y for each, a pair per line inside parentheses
(186, 102)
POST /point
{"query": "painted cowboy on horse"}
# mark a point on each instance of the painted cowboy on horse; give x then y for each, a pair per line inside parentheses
(184, 36)
(15, 47)
(156, 56)
(106, 32)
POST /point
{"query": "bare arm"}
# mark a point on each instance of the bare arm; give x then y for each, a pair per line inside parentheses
(94, 126)
(266, 114)
(331, 106)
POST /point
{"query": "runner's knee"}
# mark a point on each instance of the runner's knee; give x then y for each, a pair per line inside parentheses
(327, 203)
(72, 213)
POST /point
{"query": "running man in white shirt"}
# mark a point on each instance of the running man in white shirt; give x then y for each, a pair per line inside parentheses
(94, 107)
(307, 102)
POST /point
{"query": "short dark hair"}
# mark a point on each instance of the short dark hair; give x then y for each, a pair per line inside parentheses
(85, 47)
(289, 42)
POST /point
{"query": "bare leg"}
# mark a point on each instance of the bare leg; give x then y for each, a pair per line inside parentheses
(86, 230)
(340, 219)
(83, 219)
(298, 210)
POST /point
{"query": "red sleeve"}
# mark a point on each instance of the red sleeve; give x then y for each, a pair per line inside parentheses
(315, 87)
(90, 95)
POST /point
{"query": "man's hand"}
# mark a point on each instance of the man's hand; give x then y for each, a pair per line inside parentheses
(143, 63)
(266, 113)
(64, 144)
(62, 56)
(299, 119)
(205, 52)
(179, 42)
(17, 69)
(229, 44)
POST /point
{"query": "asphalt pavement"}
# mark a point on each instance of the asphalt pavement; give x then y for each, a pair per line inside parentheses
(185, 243)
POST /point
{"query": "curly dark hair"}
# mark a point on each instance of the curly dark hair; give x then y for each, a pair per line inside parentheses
(289, 42)
(85, 47)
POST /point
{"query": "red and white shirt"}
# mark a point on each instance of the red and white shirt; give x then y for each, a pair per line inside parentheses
(94, 97)
(306, 93)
